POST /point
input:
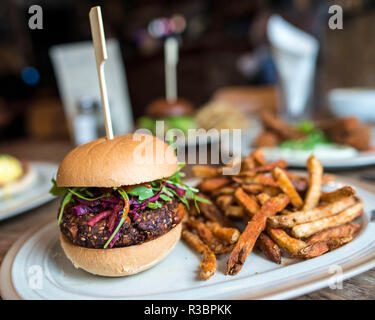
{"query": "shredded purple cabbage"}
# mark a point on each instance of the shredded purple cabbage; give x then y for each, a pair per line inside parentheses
(113, 220)
(98, 217)
(88, 203)
(81, 209)
(180, 192)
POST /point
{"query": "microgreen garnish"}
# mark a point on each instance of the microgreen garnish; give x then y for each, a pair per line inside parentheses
(65, 201)
(106, 195)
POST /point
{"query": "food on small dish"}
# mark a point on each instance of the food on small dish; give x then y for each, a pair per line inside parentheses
(15, 176)
(347, 131)
(178, 114)
(221, 115)
(119, 216)
(340, 138)
(285, 214)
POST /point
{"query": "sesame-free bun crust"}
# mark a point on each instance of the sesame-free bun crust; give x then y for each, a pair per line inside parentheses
(126, 160)
(118, 262)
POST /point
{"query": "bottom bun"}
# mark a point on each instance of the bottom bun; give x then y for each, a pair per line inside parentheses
(118, 262)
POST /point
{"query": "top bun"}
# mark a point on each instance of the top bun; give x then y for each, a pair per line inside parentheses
(164, 108)
(126, 160)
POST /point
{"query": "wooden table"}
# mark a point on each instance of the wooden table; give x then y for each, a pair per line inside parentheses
(359, 287)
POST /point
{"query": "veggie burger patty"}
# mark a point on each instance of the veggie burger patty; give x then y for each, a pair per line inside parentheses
(145, 226)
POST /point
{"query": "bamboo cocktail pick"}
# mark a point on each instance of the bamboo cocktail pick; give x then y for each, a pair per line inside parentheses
(101, 56)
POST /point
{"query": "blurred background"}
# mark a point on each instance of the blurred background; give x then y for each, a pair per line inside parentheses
(223, 44)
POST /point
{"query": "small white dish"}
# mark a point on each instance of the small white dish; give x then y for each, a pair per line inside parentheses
(359, 102)
(349, 158)
(35, 195)
(36, 268)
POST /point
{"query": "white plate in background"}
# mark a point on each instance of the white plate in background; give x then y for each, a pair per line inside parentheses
(35, 195)
(243, 148)
(177, 276)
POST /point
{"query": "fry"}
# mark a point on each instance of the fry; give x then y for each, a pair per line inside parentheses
(258, 156)
(263, 197)
(326, 178)
(255, 226)
(204, 171)
(259, 188)
(247, 201)
(248, 163)
(253, 188)
(229, 235)
(338, 242)
(223, 191)
(337, 194)
(206, 235)
(292, 245)
(347, 215)
(210, 184)
(236, 212)
(258, 179)
(343, 231)
(224, 201)
(300, 217)
(313, 250)
(287, 187)
(212, 213)
(208, 264)
(265, 168)
(315, 183)
(270, 249)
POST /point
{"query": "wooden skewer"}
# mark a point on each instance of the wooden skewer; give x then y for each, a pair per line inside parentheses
(171, 59)
(101, 56)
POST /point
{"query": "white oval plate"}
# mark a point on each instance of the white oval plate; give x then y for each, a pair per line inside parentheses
(34, 196)
(36, 268)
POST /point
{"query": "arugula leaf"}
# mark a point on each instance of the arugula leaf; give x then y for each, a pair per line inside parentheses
(57, 191)
(165, 198)
(105, 195)
(154, 205)
(141, 192)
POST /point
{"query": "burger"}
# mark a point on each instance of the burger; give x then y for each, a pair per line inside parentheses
(15, 176)
(120, 215)
(177, 114)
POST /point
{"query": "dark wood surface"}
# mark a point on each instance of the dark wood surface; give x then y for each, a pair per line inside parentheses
(359, 287)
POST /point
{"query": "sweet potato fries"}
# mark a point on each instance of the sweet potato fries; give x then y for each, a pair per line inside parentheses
(284, 214)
